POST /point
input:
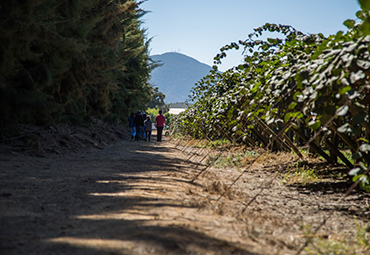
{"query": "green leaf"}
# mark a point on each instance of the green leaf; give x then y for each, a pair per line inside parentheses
(365, 4)
(287, 117)
(343, 90)
(292, 105)
(355, 178)
(361, 15)
(365, 26)
(297, 95)
(297, 115)
(314, 124)
(367, 188)
(349, 23)
(272, 40)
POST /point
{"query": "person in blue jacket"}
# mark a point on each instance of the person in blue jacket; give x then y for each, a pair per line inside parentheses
(131, 125)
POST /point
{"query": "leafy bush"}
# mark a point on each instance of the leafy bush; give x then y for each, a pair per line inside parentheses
(312, 88)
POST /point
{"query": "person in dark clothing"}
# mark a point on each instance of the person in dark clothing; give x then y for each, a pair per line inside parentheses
(139, 124)
(144, 131)
(131, 125)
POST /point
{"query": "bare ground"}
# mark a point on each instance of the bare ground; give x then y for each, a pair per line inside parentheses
(146, 198)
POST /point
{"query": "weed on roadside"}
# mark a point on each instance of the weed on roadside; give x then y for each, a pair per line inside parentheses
(300, 175)
(232, 159)
(327, 245)
(217, 143)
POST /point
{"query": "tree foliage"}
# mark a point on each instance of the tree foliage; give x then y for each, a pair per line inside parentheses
(157, 99)
(63, 60)
(314, 87)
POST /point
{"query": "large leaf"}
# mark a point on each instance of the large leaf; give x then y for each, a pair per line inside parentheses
(365, 4)
(349, 23)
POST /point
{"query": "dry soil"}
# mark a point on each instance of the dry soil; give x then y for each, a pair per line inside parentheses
(147, 198)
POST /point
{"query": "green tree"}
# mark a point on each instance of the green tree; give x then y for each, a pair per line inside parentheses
(72, 60)
(157, 99)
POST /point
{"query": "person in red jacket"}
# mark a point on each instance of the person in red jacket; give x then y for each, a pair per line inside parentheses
(160, 123)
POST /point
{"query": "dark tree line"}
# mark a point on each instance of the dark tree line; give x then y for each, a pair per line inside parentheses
(68, 60)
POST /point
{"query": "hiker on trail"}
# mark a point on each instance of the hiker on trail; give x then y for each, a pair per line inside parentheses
(144, 131)
(148, 128)
(160, 123)
(139, 123)
(131, 125)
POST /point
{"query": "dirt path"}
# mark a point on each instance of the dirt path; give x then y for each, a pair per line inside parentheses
(138, 198)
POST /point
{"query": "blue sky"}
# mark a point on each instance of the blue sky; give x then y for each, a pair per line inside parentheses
(199, 28)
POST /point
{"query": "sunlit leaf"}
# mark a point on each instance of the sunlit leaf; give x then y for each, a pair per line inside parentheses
(343, 90)
(364, 180)
(364, 64)
(357, 76)
(364, 147)
(342, 110)
(354, 171)
(292, 105)
(344, 128)
(287, 117)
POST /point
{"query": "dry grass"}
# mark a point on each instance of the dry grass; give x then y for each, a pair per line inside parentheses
(300, 175)
(337, 244)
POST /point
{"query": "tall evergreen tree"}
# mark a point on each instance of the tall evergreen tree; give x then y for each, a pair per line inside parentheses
(71, 59)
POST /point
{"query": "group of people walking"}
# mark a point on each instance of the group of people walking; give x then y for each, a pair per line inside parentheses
(141, 126)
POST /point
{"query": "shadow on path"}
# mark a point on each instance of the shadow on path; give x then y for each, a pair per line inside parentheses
(120, 200)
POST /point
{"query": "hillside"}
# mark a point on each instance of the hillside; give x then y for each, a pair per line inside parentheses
(177, 75)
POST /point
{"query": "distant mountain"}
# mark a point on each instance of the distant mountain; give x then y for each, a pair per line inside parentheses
(177, 75)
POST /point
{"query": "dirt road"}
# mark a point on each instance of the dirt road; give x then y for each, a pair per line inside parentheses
(138, 198)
